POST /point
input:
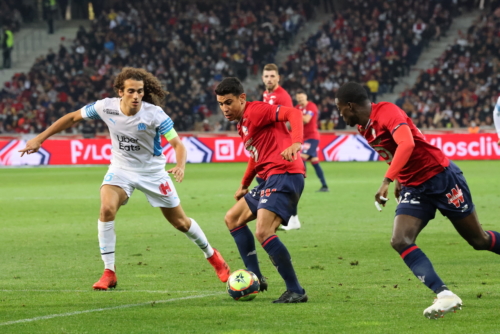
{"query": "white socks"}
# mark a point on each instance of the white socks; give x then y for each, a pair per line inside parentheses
(196, 235)
(107, 243)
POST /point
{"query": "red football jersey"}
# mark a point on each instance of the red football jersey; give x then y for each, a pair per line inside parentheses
(311, 128)
(279, 97)
(265, 138)
(425, 161)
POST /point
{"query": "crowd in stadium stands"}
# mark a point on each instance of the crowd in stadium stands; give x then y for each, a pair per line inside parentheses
(14, 12)
(462, 86)
(372, 42)
(189, 46)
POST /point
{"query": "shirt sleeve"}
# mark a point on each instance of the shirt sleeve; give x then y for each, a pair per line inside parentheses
(263, 114)
(496, 117)
(165, 123)
(93, 110)
(392, 117)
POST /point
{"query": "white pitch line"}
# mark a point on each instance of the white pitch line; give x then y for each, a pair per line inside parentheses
(51, 316)
(93, 291)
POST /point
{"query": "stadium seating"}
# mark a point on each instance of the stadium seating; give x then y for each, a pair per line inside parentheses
(369, 40)
(189, 46)
(462, 86)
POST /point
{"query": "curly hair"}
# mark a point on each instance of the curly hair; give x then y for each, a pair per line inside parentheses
(153, 92)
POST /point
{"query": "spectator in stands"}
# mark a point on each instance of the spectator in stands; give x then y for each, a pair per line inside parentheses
(7, 46)
(460, 88)
(180, 42)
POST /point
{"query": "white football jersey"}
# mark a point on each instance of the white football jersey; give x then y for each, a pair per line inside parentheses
(496, 116)
(135, 140)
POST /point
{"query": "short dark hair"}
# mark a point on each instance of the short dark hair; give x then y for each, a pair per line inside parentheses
(271, 67)
(352, 92)
(300, 91)
(229, 85)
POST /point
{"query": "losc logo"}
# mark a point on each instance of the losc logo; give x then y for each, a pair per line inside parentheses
(196, 151)
(9, 155)
(224, 149)
(349, 148)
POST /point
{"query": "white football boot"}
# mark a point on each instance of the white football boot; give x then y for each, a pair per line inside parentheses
(293, 224)
(445, 302)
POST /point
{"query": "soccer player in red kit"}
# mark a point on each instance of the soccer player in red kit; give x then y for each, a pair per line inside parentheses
(273, 155)
(311, 135)
(277, 95)
(425, 180)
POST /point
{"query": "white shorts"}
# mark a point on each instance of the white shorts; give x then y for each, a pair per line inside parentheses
(158, 186)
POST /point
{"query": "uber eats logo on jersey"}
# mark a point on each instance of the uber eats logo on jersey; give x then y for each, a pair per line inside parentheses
(127, 143)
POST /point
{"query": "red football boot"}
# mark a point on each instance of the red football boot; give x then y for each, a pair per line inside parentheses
(107, 281)
(220, 266)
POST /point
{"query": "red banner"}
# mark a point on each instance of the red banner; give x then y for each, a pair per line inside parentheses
(332, 147)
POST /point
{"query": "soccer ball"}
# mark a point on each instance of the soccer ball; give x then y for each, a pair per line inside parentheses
(243, 285)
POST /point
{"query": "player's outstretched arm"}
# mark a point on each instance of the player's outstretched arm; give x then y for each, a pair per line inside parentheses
(61, 124)
(181, 157)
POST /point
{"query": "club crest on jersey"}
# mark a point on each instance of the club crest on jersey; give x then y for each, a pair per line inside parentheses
(245, 130)
(141, 127)
(456, 196)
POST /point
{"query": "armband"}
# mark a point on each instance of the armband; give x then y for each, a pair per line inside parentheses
(171, 134)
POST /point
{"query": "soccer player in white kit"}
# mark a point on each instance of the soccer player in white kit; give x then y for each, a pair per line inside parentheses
(135, 123)
(496, 118)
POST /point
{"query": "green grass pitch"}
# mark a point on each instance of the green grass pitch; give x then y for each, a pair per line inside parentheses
(356, 283)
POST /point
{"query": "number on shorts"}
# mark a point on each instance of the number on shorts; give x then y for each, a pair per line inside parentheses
(109, 177)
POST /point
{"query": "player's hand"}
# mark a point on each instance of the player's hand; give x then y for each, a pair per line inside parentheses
(291, 153)
(178, 173)
(242, 191)
(498, 142)
(397, 190)
(381, 195)
(32, 146)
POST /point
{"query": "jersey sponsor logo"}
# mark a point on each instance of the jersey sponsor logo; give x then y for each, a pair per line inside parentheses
(196, 151)
(9, 155)
(456, 196)
(141, 127)
(111, 112)
(126, 143)
(384, 153)
(349, 148)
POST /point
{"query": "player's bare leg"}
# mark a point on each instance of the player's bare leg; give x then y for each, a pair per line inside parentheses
(471, 230)
(236, 221)
(112, 197)
(405, 231)
(177, 217)
(267, 224)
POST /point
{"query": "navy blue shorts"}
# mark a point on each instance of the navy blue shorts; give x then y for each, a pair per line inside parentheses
(310, 146)
(280, 193)
(447, 191)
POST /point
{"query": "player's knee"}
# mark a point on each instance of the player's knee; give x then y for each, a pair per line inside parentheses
(400, 243)
(231, 220)
(108, 213)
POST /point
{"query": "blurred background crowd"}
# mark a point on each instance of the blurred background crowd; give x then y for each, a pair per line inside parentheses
(191, 46)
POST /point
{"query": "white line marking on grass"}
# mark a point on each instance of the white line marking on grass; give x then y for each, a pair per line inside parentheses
(51, 316)
(111, 291)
